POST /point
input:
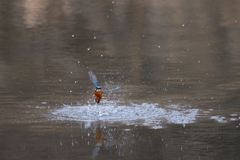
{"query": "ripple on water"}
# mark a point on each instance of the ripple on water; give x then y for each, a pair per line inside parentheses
(135, 114)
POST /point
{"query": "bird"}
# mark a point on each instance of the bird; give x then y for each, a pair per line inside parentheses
(98, 92)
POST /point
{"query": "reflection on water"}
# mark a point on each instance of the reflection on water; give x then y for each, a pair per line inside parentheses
(98, 139)
(178, 61)
(32, 11)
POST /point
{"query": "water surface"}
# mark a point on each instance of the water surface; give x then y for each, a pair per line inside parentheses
(178, 63)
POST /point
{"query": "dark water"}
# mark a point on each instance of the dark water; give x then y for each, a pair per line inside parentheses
(178, 62)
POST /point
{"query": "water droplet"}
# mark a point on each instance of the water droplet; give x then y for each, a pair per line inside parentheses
(95, 37)
(183, 25)
(159, 46)
(72, 35)
(60, 80)
(88, 48)
(78, 61)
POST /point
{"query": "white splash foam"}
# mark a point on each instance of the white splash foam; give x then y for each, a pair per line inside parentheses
(144, 114)
(219, 119)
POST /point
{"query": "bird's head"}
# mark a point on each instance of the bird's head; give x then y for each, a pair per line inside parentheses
(98, 88)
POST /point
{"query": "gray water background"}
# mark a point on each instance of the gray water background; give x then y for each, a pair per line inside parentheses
(172, 57)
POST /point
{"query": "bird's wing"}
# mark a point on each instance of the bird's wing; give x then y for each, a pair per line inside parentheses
(112, 89)
(93, 78)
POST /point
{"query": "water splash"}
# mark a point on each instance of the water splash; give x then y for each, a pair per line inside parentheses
(144, 114)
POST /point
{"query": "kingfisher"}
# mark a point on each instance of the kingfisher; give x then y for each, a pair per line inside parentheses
(98, 92)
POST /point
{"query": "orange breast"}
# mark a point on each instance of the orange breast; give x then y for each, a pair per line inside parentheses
(98, 95)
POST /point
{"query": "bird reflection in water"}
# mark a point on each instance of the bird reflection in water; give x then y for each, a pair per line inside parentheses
(98, 139)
